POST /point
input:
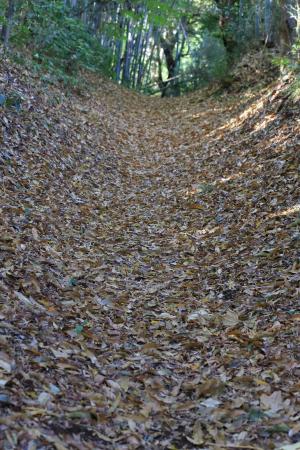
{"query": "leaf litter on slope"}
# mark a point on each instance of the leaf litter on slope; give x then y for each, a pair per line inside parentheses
(149, 276)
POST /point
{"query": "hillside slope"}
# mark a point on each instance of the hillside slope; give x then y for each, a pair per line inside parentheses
(149, 279)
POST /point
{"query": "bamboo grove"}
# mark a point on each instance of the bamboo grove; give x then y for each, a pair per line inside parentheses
(165, 46)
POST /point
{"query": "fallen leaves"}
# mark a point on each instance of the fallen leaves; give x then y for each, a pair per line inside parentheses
(291, 447)
(149, 272)
(231, 319)
(7, 364)
(29, 301)
(198, 436)
(274, 402)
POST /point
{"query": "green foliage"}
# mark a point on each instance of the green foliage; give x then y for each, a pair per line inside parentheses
(59, 44)
(209, 60)
(13, 100)
(221, 34)
(291, 64)
(170, 45)
(164, 14)
(295, 67)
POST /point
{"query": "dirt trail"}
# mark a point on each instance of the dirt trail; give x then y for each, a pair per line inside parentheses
(149, 278)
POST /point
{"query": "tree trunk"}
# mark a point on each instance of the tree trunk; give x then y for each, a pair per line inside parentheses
(143, 59)
(168, 46)
(268, 16)
(284, 37)
(6, 28)
(127, 56)
(161, 83)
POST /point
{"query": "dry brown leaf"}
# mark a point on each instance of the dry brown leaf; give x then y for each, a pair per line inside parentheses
(113, 310)
(231, 319)
(273, 402)
(198, 435)
(6, 362)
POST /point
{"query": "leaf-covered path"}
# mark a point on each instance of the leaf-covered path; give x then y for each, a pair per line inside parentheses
(149, 280)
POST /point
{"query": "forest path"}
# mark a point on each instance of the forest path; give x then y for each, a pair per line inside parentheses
(149, 272)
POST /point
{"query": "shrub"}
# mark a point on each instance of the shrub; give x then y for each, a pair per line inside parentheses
(59, 43)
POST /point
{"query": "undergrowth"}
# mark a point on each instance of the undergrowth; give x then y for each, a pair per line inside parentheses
(58, 46)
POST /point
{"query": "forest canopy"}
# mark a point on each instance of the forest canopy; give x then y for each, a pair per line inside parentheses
(168, 46)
